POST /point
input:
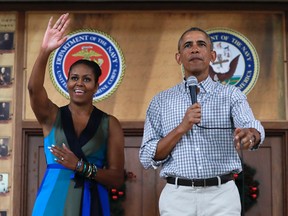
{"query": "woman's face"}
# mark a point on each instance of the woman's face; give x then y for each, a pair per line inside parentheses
(81, 84)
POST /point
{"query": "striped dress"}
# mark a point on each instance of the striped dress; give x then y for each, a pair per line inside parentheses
(62, 192)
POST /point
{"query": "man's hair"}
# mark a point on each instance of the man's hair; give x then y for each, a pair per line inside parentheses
(91, 64)
(194, 29)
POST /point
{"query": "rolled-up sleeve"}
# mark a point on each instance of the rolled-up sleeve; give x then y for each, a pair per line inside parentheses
(243, 116)
(151, 136)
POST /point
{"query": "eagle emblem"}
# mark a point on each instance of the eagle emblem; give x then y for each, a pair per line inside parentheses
(236, 62)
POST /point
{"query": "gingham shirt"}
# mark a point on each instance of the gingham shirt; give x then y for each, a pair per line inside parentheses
(200, 153)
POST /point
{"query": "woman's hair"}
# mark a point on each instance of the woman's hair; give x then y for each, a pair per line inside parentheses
(91, 64)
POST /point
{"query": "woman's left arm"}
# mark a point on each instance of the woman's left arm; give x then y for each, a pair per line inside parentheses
(113, 174)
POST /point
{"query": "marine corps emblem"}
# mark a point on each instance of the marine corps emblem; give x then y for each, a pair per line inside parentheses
(91, 45)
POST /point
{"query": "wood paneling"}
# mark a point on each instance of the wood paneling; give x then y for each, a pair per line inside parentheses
(142, 193)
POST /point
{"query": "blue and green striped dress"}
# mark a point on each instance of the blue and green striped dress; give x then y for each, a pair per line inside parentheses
(62, 193)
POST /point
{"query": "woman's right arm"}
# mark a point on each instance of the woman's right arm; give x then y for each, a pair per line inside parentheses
(44, 109)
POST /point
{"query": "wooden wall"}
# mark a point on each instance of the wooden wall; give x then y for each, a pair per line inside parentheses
(147, 33)
(149, 40)
(143, 191)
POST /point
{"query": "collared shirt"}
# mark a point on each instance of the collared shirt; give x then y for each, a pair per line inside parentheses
(200, 153)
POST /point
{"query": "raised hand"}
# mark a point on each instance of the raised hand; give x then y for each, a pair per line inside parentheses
(55, 36)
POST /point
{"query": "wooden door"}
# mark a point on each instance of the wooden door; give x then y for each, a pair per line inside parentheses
(142, 192)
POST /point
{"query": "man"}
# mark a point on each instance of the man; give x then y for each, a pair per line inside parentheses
(2, 76)
(3, 184)
(5, 76)
(6, 43)
(3, 148)
(196, 145)
(3, 213)
(4, 111)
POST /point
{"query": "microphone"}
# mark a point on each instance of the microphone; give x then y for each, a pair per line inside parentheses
(192, 83)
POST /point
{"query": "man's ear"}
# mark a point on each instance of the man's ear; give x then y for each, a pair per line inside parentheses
(177, 57)
(213, 56)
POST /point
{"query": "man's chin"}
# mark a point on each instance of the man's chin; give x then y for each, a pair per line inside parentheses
(196, 72)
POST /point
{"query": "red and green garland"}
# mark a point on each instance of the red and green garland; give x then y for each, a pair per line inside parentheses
(250, 188)
(117, 196)
(250, 191)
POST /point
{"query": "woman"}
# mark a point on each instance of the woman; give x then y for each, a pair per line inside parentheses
(84, 146)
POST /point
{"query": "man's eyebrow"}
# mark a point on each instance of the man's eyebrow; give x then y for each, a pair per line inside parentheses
(198, 41)
(202, 41)
(188, 42)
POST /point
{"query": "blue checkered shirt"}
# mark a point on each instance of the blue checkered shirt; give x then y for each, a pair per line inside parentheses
(200, 153)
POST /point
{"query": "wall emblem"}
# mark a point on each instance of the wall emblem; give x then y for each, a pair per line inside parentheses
(237, 62)
(92, 45)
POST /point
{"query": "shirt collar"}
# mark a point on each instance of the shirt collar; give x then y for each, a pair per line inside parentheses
(207, 85)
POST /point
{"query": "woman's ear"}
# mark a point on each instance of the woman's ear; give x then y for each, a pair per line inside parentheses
(96, 87)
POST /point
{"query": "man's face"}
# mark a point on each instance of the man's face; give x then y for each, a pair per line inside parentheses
(195, 54)
(6, 36)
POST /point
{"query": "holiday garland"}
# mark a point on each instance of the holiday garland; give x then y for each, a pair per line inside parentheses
(250, 188)
(117, 196)
(250, 191)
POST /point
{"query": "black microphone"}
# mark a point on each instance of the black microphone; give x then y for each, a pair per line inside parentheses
(192, 83)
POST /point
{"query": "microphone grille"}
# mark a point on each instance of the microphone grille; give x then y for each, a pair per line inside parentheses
(192, 81)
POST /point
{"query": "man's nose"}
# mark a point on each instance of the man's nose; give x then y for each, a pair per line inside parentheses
(194, 49)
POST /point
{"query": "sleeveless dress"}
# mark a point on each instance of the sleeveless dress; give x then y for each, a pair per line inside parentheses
(62, 191)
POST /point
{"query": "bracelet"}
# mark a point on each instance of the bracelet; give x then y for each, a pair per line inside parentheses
(84, 168)
(89, 171)
(79, 165)
(94, 171)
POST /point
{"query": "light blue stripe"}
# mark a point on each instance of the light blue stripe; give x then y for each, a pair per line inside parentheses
(48, 141)
(46, 191)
